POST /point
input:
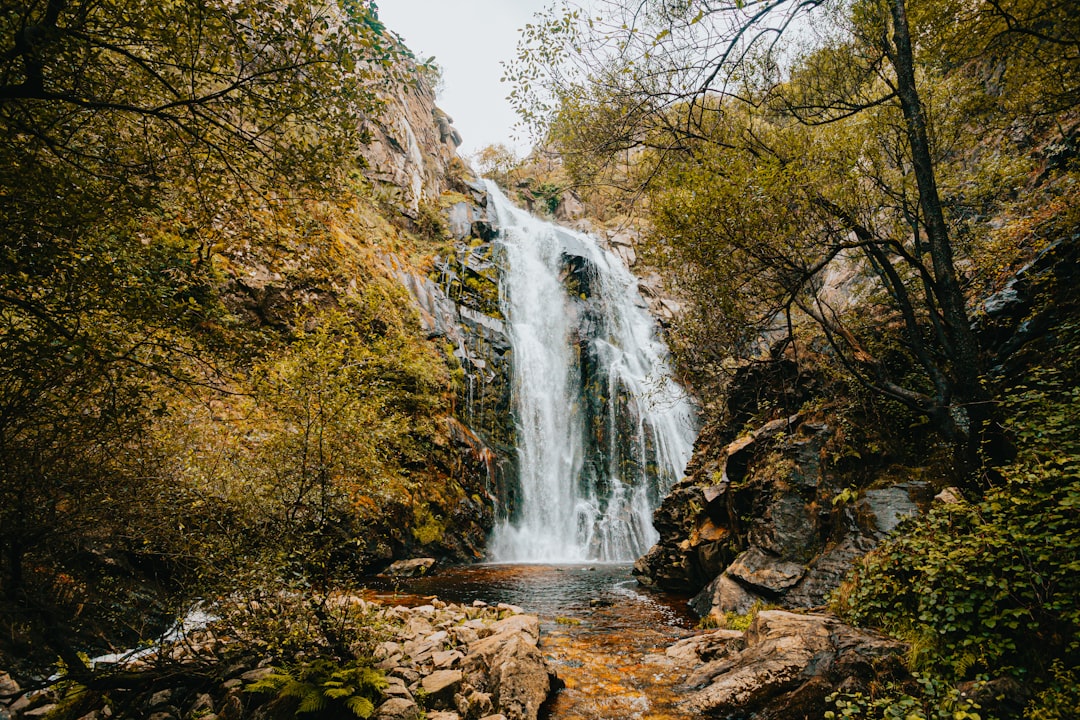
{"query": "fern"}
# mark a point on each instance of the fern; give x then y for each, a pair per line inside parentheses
(296, 689)
(360, 706)
(269, 685)
(323, 689)
(312, 701)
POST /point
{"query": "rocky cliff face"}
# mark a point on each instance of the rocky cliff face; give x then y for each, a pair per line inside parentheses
(412, 153)
(458, 301)
(765, 517)
(413, 164)
(778, 504)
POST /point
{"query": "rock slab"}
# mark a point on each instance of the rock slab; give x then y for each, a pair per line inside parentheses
(785, 666)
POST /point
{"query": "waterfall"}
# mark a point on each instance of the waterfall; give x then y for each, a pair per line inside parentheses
(603, 430)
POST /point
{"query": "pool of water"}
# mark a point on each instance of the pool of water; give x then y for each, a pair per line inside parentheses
(604, 634)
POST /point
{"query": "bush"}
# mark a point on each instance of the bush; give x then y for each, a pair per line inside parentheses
(930, 700)
(994, 586)
(989, 587)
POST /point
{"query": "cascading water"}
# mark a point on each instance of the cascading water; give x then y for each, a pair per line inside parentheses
(603, 430)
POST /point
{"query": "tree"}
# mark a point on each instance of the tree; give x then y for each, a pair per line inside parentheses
(133, 136)
(752, 102)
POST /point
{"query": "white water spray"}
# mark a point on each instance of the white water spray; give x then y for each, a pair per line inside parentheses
(603, 430)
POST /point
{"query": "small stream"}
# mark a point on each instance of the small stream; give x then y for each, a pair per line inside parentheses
(603, 633)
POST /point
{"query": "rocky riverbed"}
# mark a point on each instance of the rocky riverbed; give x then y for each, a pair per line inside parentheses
(452, 662)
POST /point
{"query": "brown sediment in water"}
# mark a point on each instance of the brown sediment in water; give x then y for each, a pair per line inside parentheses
(603, 633)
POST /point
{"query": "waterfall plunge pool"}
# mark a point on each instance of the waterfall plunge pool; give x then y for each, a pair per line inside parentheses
(604, 634)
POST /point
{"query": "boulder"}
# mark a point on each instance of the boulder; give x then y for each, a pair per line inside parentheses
(520, 679)
(397, 708)
(950, 496)
(473, 704)
(888, 506)
(442, 684)
(704, 647)
(825, 572)
(446, 659)
(410, 568)
(442, 715)
(8, 687)
(754, 519)
(569, 207)
(395, 687)
(484, 650)
(519, 623)
(723, 595)
(257, 674)
(788, 665)
(763, 571)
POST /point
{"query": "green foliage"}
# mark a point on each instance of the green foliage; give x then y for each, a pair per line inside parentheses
(499, 163)
(150, 154)
(986, 587)
(841, 151)
(548, 195)
(75, 701)
(708, 622)
(431, 224)
(931, 700)
(992, 587)
(329, 440)
(324, 689)
(428, 529)
(1060, 698)
(208, 92)
(303, 624)
(848, 154)
(845, 497)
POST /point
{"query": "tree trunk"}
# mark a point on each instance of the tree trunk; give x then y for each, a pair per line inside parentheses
(969, 409)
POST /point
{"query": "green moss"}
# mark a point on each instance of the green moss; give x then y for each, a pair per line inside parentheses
(429, 529)
(740, 621)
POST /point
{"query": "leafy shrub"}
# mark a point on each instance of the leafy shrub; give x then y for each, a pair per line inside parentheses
(298, 624)
(931, 700)
(994, 586)
(1060, 699)
(987, 586)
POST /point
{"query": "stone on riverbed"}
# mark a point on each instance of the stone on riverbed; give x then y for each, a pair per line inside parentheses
(520, 679)
(410, 568)
(397, 708)
(441, 683)
(785, 666)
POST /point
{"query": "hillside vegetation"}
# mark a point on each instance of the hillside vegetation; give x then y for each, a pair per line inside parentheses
(209, 380)
(841, 188)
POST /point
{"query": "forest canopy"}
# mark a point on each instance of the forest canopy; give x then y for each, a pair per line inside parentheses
(158, 439)
(779, 142)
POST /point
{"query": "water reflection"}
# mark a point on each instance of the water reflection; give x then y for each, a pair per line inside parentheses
(604, 634)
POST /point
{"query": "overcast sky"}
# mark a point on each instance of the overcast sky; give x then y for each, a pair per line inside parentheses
(468, 38)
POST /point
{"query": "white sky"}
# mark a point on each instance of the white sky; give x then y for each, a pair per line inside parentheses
(468, 38)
